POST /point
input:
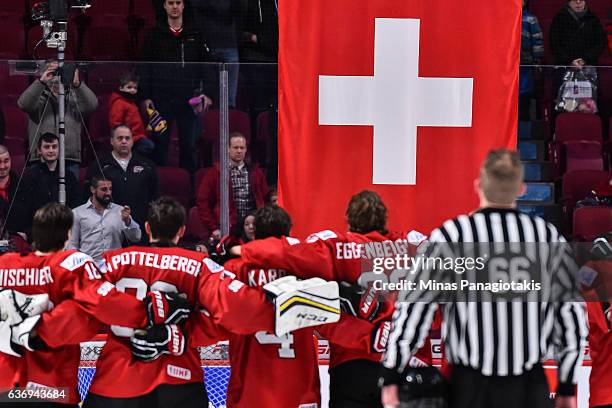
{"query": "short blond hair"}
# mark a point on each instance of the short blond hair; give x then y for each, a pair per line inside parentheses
(501, 176)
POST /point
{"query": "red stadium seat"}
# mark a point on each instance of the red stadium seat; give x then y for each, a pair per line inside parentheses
(590, 222)
(109, 7)
(98, 126)
(15, 146)
(16, 122)
(583, 155)
(175, 182)
(13, 33)
(577, 126)
(107, 42)
(577, 185)
(195, 229)
(12, 85)
(239, 121)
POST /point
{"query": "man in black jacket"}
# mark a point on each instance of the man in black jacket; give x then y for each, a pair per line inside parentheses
(168, 87)
(134, 177)
(40, 184)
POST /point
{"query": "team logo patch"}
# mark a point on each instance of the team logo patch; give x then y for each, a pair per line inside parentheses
(292, 241)
(322, 235)
(75, 260)
(138, 169)
(212, 265)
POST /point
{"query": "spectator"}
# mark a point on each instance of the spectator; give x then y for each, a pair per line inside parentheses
(247, 185)
(532, 52)
(248, 228)
(40, 183)
(272, 196)
(258, 38)
(122, 109)
(168, 87)
(217, 20)
(11, 212)
(259, 32)
(40, 102)
(134, 177)
(101, 225)
(576, 35)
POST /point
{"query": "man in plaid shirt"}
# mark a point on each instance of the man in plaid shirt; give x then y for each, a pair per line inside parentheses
(248, 187)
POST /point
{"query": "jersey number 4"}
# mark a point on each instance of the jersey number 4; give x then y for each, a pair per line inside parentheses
(285, 342)
(129, 285)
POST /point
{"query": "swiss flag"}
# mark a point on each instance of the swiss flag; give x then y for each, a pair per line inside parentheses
(403, 97)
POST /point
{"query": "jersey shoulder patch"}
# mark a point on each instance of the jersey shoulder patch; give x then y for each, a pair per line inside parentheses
(212, 265)
(415, 237)
(75, 261)
(321, 235)
(292, 241)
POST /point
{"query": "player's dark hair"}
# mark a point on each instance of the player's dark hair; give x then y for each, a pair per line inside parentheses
(128, 77)
(166, 217)
(47, 137)
(272, 221)
(50, 227)
(366, 212)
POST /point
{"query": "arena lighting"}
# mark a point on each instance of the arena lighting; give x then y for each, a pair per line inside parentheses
(53, 16)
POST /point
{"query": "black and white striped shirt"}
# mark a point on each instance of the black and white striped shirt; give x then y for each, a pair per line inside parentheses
(497, 338)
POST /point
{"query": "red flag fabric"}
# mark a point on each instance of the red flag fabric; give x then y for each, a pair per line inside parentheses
(403, 97)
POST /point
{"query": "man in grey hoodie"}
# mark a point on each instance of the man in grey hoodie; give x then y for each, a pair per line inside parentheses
(40, 102)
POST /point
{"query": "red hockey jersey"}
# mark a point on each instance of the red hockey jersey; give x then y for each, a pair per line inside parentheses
(598, 275)
(262, 361)
(336, 256)
(227, 302)
(74, 284)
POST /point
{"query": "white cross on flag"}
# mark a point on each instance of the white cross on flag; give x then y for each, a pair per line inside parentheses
(403, 97)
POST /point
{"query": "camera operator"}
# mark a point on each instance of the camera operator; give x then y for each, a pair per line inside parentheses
(40, 102)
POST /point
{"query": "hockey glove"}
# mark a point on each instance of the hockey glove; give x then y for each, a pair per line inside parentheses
(423, 388)
(14, 338)
(358, 301)
(380, 336)
(165, 308)
(152, 343)
(16, 306)
(303, 303)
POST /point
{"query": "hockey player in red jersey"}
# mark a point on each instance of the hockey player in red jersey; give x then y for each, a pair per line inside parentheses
(596, 277)
(229, 305)
(337, 256)
(67, 279)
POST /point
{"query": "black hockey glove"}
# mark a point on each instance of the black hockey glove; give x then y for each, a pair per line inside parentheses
(152, 343)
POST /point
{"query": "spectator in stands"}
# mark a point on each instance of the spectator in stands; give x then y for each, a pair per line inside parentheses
(259, 32)
(122, 109)
(134, 177)
(532, 52)
(40, 183)
(248, 228)
(217, 20)
(272, 196)
(11, 212)
(247, 184)
(258, 41)
(40, 102)
(168, 87)
(576, 35)
(101, 225)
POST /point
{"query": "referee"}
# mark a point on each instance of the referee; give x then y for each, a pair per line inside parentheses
(496, 346)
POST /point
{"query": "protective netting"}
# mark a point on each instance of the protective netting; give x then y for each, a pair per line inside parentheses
(214, 363)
